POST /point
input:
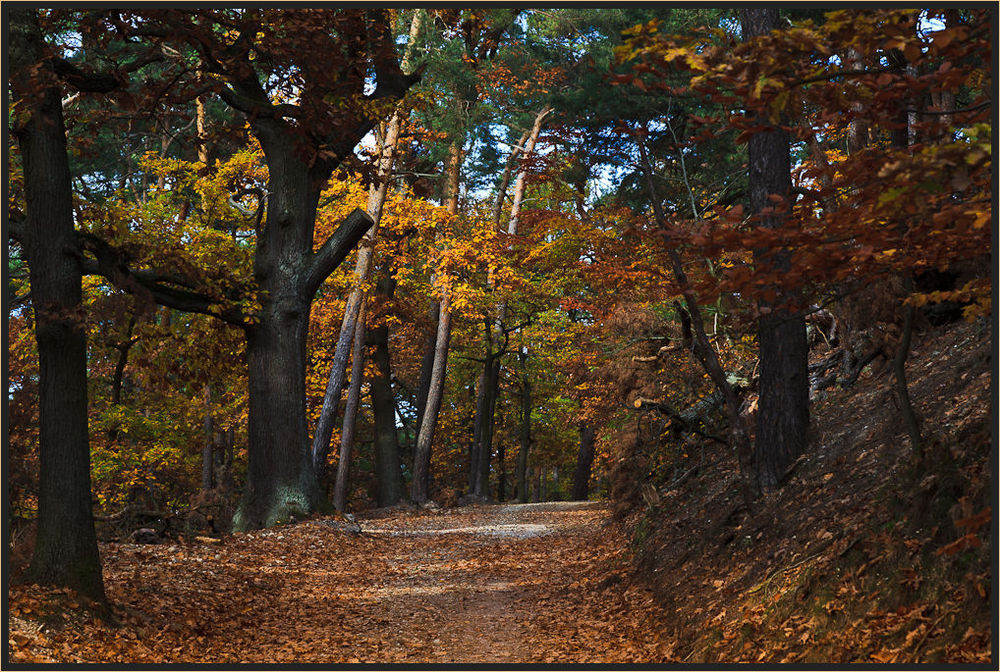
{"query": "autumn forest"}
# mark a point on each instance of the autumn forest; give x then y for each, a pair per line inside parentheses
(640, 335)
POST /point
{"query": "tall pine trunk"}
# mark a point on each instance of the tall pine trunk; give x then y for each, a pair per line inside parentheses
(350, 414)
(65, 551)
(783, 409)
(421, 486)
(482, 448)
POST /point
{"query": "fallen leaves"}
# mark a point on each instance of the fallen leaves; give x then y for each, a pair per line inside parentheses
(411, 589)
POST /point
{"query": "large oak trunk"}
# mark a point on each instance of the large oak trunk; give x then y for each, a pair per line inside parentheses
(66, 545)
(281, 481)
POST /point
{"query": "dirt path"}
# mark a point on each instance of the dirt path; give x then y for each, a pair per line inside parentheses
(530, 583)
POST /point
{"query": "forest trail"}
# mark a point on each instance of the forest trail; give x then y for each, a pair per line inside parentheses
(530, 583)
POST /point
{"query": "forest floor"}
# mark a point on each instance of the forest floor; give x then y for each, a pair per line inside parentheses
(867, 554)
(528, 583)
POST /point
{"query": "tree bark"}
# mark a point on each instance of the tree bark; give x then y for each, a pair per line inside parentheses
(350, 413)
(377, 193)
(123, 350)
(910, 420)
(208, 447)
(65, 551)
(501, 471)
(391, 488)
(482, 448)
(479, 422)
(783, 409)
(584, 464)
(426, 366)
(421, 485)
(525, 433)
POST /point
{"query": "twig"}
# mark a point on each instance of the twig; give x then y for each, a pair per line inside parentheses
(776, 572)
(916, 649)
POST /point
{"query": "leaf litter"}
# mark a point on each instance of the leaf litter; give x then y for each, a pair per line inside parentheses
(416, 587)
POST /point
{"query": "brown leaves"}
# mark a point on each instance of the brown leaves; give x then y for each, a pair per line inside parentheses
(474, 585)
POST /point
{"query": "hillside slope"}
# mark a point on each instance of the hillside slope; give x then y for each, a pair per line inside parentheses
(867, 554)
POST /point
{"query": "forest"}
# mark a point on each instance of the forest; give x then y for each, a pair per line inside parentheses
(649, 335)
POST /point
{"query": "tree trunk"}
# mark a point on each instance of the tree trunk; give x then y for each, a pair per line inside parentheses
(482, 449)
(687, 340)
(350, 413)
(489, 426)
(702, 347)
(426, 366)
(65, 551)
(478, 423)
(201, 127)
(501, 471)
(420, 488)
(421, 485)
(482, 442)
(123, 350)
(584, 463)
(281, 477)
(910, 420)
(208, 448)
(281, 481)
(525, 434)
(783, 409)
(390, 485)
(362, 271)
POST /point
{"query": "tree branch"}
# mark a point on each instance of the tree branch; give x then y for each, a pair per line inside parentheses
(111, 263)
(336, 249)
(99, 82)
